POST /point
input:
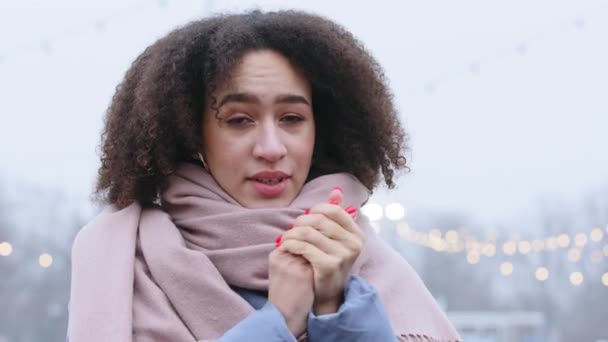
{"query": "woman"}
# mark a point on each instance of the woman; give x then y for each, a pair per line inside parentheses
(235, 156)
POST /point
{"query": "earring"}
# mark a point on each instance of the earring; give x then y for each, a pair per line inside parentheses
(200, 156)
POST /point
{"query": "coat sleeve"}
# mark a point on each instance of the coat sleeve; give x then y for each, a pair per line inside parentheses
(361, 318)
(264, 324)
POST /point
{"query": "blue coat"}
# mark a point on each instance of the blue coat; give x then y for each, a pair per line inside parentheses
(361, 318)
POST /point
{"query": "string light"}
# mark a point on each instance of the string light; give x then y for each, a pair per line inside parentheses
(451, 236)
(373, 211)
(472, 257)
(509, 248)
(436, 233)
(574, 254)
(458, 241)
(6, 249)
(542, 273)
(394, 211)
(45, 260)
(403, 229)
(576, 278)
(453, 241)
(563, 240)
(489, 250)
(506, 268)
(538, 246)
(524, 247)
(596, 235)
(551, 243)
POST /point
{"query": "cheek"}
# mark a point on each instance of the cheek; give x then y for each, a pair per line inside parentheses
(222, 152)
(303, 148)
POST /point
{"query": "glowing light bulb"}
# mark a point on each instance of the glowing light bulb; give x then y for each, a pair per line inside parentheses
(45, 260)
(506, 268)
(394, 211)
(472, 257)
(373, 211)
(596, 235)
(576, 278)
(6, 249)
(542, 273)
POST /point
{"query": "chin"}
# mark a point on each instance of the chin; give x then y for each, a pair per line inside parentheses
(257, 202)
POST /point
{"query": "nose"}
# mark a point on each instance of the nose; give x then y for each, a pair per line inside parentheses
(269, 144)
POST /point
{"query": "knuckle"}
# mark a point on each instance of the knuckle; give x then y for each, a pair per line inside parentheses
(307, 233)
(316, 220)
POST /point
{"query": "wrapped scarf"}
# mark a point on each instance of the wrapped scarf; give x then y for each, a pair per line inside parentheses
(164, 273)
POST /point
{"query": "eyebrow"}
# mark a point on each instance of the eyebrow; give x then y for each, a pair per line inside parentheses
(251, 98)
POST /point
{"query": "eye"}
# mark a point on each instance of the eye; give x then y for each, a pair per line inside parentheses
(292, 118)
(238, 120)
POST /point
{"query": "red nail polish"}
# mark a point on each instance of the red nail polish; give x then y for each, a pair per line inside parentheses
(277, 241)
(338, 188)
(350, 209)
(334, 201)
(307, 211)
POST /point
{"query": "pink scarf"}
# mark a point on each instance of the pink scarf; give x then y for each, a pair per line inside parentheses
(163, 274)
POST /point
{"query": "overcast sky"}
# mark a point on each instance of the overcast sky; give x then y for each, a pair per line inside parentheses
(505, 102)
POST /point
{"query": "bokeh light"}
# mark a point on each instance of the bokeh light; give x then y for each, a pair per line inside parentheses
(542, 273)
(6, 249)
(506, 268)
(576, 278)
(373, 211)
(45, 260)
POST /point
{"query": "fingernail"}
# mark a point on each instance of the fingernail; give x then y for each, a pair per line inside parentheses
(334, 201)
(350, 209)
(307, 211)
(277, 241)
(338, 188)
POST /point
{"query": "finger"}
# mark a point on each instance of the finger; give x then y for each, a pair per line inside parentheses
(326, 226)
(317, 239)
(338, 215)
(351, 243)
(316, 257)
(335, 196)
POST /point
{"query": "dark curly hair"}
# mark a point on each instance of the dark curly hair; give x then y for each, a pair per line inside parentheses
(153, 122)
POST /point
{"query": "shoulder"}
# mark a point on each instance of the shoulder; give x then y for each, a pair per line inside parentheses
(108, 226)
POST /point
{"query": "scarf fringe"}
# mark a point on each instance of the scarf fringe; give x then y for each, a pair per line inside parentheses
(421, 338)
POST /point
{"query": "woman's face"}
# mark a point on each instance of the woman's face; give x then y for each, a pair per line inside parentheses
(259, 146)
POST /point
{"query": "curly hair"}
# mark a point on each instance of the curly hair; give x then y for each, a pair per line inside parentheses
(153, 122)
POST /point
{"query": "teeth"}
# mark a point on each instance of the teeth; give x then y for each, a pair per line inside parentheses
(269, 181)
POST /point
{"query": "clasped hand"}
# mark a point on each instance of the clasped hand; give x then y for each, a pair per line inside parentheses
(330, 240)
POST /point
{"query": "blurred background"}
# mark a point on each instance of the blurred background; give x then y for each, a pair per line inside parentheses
(504, 213)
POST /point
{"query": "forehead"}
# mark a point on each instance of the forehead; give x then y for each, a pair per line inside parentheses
(265, 72)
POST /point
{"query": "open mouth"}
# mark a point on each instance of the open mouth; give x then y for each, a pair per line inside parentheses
(270, 181)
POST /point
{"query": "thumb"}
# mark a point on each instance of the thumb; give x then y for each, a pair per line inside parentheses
(335, 196)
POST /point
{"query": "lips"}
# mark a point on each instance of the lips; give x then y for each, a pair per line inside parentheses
(269, 177)
(269, 183)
